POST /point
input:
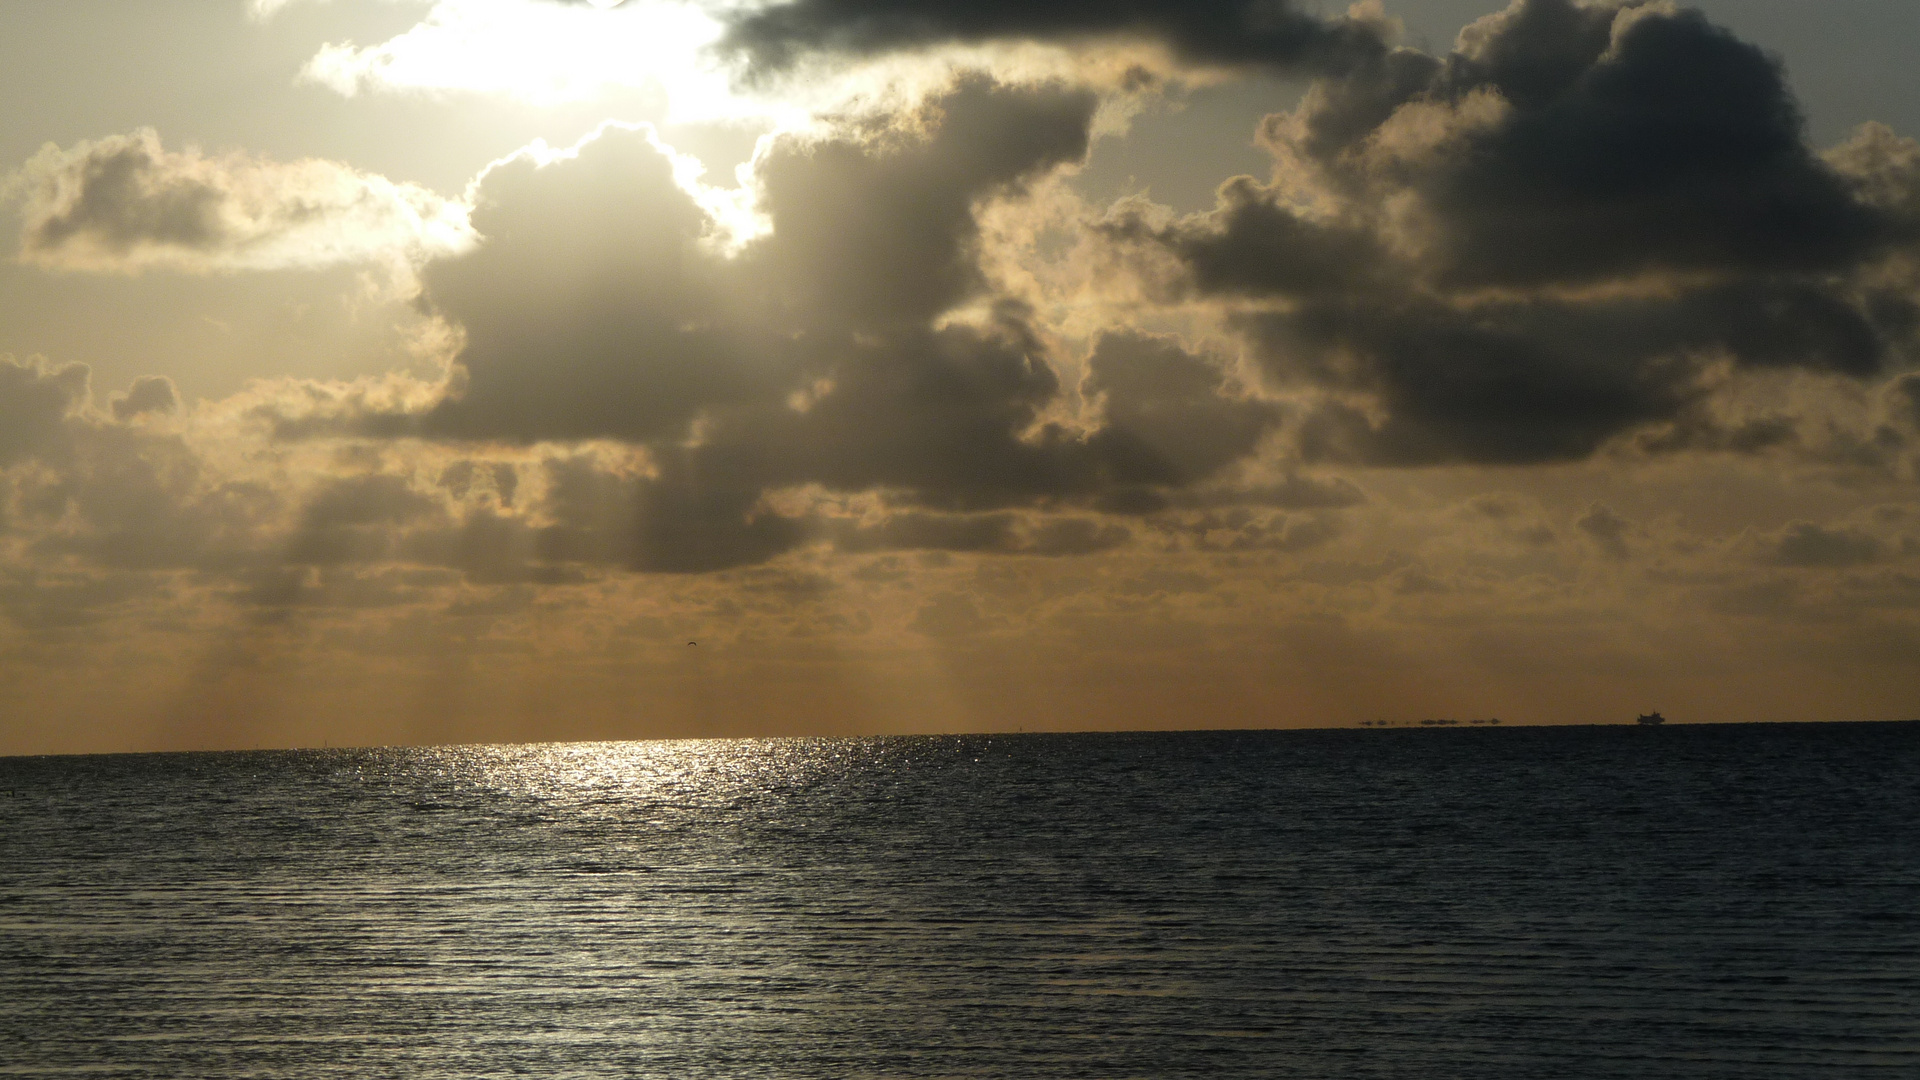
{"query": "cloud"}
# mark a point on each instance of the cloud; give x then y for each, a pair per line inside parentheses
(1563, 231)
(35, 402)
(124, 204)
(1252, 245)
(1000, 533)
(1804, 543)
(1634, 138)
(1607, 529)
(1249, 33)
(351, 519)
(261, 10)
(949, 615)
(591, 309)
(1904, 394)
(856, 347)
(1510, 371)
(148, 394)
(123, 498)
(600, 258)
(1169, 419)
(1292, 492)
(877, 225)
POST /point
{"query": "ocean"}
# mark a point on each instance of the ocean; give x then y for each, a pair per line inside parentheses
(1735, 901)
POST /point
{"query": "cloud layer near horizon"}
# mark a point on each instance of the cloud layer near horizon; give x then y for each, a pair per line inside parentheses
(1478, 365)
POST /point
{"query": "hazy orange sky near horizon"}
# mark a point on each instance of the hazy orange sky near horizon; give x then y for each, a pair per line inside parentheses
(425, 371)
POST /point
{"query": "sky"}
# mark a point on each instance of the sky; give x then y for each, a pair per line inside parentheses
(428, 371)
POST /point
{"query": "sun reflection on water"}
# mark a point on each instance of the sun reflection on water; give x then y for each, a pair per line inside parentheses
(1217, 904)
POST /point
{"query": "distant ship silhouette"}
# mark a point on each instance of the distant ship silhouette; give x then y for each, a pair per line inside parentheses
(1652, 718)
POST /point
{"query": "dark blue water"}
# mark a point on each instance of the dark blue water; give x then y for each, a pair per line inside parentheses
(1487, 903)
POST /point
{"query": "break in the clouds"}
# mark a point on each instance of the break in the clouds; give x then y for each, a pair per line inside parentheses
(125, 203)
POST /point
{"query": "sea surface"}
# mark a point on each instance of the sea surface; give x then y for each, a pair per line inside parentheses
(1541, 903)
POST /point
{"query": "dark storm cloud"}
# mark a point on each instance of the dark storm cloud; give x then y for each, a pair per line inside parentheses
(1679, 147)
(1590, 141)
(1524, 383)
(941, 414)
(880, 230)
(1168, 419)
(1262, 33)
(1251, 245)
(1539, 242)
(823, 353)
(594, 309)
(1528, 381)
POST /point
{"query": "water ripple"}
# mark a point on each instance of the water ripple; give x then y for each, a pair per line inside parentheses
(1710, 903)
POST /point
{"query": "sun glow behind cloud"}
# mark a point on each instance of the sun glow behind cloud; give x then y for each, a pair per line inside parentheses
(737, 218)
(667, 53)
(546, 53)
